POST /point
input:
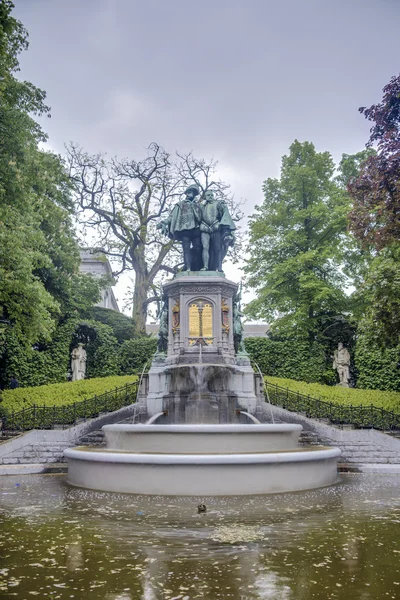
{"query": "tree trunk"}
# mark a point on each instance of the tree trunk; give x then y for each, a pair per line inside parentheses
(139, 310)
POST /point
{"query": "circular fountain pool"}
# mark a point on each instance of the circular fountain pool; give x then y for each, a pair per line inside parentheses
(192, 460)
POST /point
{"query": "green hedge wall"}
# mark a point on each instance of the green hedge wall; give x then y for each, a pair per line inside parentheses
(61, 394)
(50, 363)
(41, 365)
(339, 395)
(378, 368)
(134, 354)
(293, 359)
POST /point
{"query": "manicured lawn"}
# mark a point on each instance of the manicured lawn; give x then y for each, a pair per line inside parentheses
(339, 395)
(61, 394)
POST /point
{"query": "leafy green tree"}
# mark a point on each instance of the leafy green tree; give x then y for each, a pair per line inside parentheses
(297, 244)
(380, 294)
(39, 256)
(123, 327)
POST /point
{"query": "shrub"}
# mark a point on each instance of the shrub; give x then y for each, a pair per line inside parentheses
(294, 359)
(42, 364)
(133, 354)
(49, 363)
(341, 395)
(123, 327)
(377, 367)
(61, 394)
(101, 348)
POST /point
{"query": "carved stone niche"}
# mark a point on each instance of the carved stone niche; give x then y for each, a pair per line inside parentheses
(200, 313)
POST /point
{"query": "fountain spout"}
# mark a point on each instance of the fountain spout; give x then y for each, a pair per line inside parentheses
(251, 417)
(154, 418)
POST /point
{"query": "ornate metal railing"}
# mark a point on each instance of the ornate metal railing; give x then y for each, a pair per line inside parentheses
(337, 414)
(51, 417)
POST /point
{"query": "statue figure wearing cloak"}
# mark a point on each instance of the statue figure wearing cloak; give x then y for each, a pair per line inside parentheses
(78, 363)
(216, 229)
(183, 224)
(341, 362)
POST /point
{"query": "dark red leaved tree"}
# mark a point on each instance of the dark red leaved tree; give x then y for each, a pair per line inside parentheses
(375, 218)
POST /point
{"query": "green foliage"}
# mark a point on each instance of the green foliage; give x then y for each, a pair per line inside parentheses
(339, 395)
(101, 348)
(39, 261)
(61, 394)
(123, 327)
(378, 368)
(39, 364)
(49, 363)
(290, 358)
(134, 354)
(297, 242)
(351, 164)
(379, 299)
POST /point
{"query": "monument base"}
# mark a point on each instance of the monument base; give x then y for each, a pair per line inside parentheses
(201, 361)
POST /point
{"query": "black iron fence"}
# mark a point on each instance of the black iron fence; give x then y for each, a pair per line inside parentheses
(337, 414)
(50, 417)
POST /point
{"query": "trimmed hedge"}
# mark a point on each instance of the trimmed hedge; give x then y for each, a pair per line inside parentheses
(134, 354)
(294, 359)
(340, 395)
(377, 367)
(61, 394)
(49, 363)
(41, 365)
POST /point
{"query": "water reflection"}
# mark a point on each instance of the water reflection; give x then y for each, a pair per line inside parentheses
(339, 543)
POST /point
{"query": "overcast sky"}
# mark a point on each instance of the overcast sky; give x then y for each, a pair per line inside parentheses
(237, 80)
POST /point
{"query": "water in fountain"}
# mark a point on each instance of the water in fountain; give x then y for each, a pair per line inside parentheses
(201, 404)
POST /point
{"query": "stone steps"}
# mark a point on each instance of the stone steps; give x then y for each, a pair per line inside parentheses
(97, 438)
(353, 452)
(94, 438)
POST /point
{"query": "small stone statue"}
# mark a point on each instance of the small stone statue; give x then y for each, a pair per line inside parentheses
(341, 362)
(237, 325)
(216, 232)
(183, 224)
(162, 342)
(78, 363)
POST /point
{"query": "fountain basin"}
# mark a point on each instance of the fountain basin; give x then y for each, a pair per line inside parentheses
(202, 474)
(201, 438)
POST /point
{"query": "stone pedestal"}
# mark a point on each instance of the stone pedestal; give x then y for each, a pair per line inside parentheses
(200, 365)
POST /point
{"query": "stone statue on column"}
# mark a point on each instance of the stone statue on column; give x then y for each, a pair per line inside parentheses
(341, 363)
(78, 363)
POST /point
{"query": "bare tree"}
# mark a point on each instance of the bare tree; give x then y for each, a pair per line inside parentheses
(123, 200)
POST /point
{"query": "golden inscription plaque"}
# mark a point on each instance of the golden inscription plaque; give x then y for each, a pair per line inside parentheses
(200, 321)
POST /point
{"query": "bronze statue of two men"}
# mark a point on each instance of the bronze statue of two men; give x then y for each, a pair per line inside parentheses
(205, 230)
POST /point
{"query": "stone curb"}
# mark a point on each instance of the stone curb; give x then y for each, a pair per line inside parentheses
(369, 468)
(33, 469)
